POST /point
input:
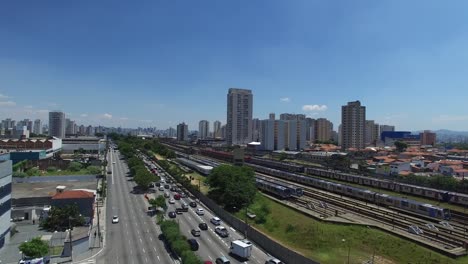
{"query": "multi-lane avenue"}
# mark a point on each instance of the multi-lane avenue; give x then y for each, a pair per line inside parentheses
(134, 240)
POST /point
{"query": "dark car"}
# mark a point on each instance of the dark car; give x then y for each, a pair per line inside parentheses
(173, 189)
(180, 210)
(166, 186)
(203, 226)
(172, 214)
(193, 244)
(193, 204)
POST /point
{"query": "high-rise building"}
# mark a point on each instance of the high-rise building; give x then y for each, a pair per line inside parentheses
(272, 116)
(239, 116)
(280, 135)
(291, 134)
(5, 200)
(323, 129)
(427, 138)
(171, 132)
(256, 130)
(216, 129)
(70, 127)
(37, 128)
(57, 124)
(353, 121)
(386, 128)
(203, 129)
(268, 134)
(223, 132)
(372, 132)
(286, 116)
(182, 132)
(90, 130)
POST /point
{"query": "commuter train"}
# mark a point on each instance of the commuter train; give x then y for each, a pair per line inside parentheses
(440, 195)
(295, 190)
(359, 193)
(278, 190)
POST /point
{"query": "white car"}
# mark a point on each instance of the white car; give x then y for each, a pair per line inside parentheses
(200, 211)
(115, 219)
(172, 201)
(215, 221)
(113, 162)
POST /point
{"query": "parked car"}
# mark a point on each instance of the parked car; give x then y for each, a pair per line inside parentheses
(221, 231)
(193, 204)
(115, 219)
(193, 244)
(223, 260)
(200, 211)
(215, 221)
(195, 232)
(172, 214)
(203, 226)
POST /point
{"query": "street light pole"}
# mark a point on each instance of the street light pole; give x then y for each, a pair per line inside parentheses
(70, 230)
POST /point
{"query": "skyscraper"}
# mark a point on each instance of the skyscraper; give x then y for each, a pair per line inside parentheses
(267, 134)
(323, 129)
(182, 132)
(37, 129)
(353, 121)
(57, 124)
(372, 132)
(203, 129)
(216, 129)
(239, 116)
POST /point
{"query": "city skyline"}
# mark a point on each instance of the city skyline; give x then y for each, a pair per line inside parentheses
(160, 64)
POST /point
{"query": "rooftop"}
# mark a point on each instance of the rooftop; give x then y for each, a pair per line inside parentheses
(73, 194)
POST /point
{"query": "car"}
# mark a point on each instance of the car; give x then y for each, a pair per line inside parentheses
(172, 189)
(166, 186)
(172, 201)
(172, 214)
(166, 195)
(274, 261)
(161, 188)
(158, 184)
(207, 262)
(200, 211)
(195, 232)
(193, 204)
(223, 260)
(113, 162)
(203, 226)
(221, 231)
(184, 205)
(177, 196)
(183, 195)
(215, 221)
(193, 244)
(115, 219)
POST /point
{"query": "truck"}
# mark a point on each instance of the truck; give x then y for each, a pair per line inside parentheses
(240, 249)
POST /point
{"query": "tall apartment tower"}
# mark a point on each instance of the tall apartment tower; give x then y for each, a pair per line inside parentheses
(427, 138)
(57, 124)
(216, 129)
(353, 121)
(272, 116)
(239, 116)
(203, 129)
(182, 132)
(372, 132)
(37, 127)
(267, 134)
(323, 129)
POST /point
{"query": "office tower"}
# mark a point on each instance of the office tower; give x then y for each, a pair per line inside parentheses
(427, 138)
(203, 129)
(372, 132)
(256, 130)
(272, 116)
(37, 127)
(267, 128)
(216, 129)
(239, 116)
(6, 172)
(182, 132)
(57, 124)
(323, 129)
(353, 121)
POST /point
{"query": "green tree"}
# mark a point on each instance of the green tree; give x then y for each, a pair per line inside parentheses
(400, 146)
(75, 166)
(34, 171)
(63, 218)
(35, 248)
(93, 170)
(144, 178)
(232, 186)
(20, 174)
(51, 169)
(160, 201)
(283, 156)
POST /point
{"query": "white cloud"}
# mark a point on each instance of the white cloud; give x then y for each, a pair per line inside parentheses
(107, 116)
(2, 96)
(8, 103)
(285, 99)
(310, 108)
(84, 115)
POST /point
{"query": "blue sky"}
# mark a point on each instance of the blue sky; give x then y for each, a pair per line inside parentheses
(158, 63)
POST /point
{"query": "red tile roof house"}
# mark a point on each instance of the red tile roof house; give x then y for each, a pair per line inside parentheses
(83, 199)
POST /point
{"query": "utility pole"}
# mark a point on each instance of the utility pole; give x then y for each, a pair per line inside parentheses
(70, 230)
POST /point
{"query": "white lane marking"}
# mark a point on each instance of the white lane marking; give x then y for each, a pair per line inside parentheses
(131, 252)
(141, 241)
(158, 258)
(146, 260)
(143, 250)
(210, 257)
(151, 239)
(155, 249)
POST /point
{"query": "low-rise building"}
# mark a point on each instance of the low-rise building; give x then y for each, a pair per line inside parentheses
(83, 199)
(397, 167)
